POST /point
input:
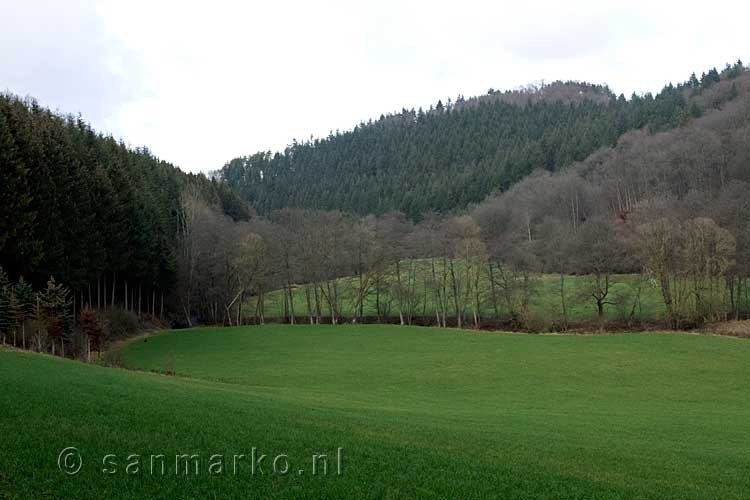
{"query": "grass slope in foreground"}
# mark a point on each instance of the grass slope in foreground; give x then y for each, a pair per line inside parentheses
(419, 413)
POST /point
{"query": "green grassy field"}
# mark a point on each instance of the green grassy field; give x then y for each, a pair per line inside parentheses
(417, 412)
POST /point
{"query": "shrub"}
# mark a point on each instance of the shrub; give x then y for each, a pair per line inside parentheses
(120, 324)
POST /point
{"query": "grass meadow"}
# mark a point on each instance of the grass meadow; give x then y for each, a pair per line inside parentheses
(630, 294)
(416, 412)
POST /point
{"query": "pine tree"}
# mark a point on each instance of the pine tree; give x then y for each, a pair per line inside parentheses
(715, 75)
(693, 82)
(5, 311)
(39, 322)
(56, 302)
(24, 296)
(16, 314)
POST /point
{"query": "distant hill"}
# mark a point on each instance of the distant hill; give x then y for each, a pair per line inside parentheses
(457, 153)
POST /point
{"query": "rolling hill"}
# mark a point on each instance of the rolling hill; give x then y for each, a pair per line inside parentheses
(456, 154)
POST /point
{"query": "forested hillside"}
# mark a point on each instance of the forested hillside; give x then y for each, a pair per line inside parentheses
(669, 209)
(455, 154)
(87, 209)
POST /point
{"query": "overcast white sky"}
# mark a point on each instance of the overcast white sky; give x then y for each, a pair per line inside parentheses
(200, 83)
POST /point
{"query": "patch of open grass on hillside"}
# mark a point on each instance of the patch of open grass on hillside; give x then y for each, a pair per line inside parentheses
(545, 299)
(419, 413)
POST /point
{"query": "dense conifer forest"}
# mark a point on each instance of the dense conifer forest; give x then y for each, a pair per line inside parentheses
(453, 154)
(87, 208)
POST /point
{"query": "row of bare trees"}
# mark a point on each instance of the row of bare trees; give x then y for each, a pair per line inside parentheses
(219, 264)
(326, 266)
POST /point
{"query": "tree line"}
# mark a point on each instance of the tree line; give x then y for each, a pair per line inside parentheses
(97, 215)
